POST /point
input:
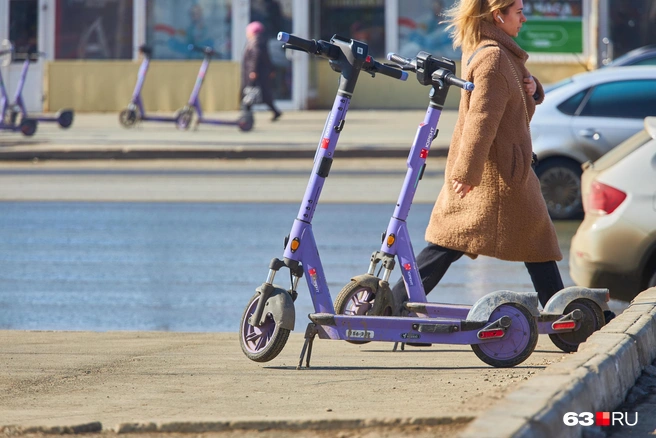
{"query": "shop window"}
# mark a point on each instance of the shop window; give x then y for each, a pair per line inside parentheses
(172, 25)
(421, 27)
(91, 29)
(362, 20)
(23, 24)
(632, 24)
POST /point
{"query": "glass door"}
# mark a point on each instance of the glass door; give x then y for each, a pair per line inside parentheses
(290, 68)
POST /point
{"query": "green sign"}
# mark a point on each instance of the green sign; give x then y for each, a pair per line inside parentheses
(548, 35)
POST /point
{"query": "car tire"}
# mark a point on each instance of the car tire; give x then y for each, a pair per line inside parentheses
(560, 183)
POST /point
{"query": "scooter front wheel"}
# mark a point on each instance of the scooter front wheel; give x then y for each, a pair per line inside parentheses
(127, 117)
(184, 118)
(28, 127)
(357, 299)
(245, 122)
(263, 343)
(518, 342)
(593, 320)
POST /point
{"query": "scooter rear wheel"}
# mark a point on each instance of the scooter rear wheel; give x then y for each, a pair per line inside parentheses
(65, 118)
(263, 343)
(28, 127)
(128, 118)
(517, 344)
(593, 320)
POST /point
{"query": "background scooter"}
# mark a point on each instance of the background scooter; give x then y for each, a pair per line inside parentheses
(135, 111)
(192, 113)
(63, 117)
(8, 118)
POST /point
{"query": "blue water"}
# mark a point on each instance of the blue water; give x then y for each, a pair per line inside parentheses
(192, 266)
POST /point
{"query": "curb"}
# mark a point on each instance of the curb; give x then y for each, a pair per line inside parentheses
(194, 154)
(243, 425)
(596, 378)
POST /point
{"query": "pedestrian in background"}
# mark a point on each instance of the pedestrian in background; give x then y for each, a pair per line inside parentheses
(257, 70)
(491, 203)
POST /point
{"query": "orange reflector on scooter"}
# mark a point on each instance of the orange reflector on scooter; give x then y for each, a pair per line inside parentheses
(565, 325)
(390, 240)
(489, 334)
(295, 244)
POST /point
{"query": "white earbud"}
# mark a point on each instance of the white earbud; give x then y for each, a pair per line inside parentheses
(500, 19)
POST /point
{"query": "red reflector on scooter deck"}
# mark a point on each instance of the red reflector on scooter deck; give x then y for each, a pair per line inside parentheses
(565, 325)
(489, 334)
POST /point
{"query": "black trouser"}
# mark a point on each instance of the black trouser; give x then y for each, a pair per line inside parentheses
(434, 260)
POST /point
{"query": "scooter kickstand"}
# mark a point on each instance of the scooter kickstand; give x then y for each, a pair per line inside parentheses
(310, 332)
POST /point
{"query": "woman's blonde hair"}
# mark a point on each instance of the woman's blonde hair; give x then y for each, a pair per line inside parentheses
(465, 16)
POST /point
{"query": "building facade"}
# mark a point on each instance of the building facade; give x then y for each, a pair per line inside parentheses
(78, 38)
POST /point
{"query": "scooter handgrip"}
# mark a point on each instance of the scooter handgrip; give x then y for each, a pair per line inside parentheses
(456, 81)
(390, 71)
(309, 46)
(398, 59)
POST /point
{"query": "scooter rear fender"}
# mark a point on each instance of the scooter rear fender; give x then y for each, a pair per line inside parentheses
(483, 308)
(562, 298)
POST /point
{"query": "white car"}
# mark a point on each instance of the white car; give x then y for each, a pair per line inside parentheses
(615, 245)
(580, 120)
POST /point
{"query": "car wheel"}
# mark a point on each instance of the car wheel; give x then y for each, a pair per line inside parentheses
(560, 182)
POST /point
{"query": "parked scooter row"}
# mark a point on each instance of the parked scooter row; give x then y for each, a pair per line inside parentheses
(13, 114)
(501, 327)
(188, 116)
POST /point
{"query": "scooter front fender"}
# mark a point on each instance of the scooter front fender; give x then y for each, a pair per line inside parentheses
(562, 298)
(281, 307)
(483, 308)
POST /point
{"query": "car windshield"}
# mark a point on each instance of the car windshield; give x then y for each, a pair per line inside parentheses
(551, 87)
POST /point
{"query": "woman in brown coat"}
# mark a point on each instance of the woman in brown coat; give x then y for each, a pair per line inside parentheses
(491, 203)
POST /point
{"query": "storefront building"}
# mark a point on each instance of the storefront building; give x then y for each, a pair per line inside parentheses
(90, 46)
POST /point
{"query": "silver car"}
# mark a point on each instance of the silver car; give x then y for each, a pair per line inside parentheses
(581, 119)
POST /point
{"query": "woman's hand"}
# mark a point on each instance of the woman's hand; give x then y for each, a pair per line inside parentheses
(530, 86)
(461, 188)
(252, 76)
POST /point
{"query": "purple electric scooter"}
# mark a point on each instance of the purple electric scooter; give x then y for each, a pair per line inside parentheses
(569, 317)
(8, 118)
(63, 117)
(501, 327)
(192, 113)
(135, 111)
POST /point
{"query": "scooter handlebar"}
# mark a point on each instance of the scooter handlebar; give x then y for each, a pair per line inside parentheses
(377, 67)
(456, 81)
(400, 60)
(309, 46)
(202, 49)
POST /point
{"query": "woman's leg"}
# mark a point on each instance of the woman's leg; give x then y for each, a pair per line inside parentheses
(546, 279)
(433, 261)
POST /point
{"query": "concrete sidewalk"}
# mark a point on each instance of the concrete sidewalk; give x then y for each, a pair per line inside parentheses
(122, 382)
(295, 135)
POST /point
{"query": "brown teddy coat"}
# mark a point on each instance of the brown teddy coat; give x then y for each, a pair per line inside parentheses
(504, 216)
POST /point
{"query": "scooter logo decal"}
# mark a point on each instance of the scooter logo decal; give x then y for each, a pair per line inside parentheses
(410, 336)
(313, 279)
(324, 143)
(429, 140)
(360, 334)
